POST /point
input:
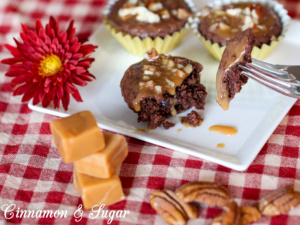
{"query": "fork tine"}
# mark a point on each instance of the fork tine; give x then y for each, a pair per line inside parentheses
(266, 76)
(283, 90)
(270, 68)
(264, 63)
(271, 65)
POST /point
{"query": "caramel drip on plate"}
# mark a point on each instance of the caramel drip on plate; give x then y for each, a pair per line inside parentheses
(226, 130)
(140, 130)
(220, 145)
(237, 54)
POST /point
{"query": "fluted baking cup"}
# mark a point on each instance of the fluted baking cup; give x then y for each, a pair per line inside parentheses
(138, 46)
(260, 53)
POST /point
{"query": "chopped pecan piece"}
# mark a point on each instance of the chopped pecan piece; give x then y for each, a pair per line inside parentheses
(188, 68)
(149, 68)
(181, 73)
(172, 210)
(224, 26)
(150, 84)
(155, 6)
(260, 11)
(183, 14)
(279, 201)
(152, 55)
(165, 14)
(230, 216)
(208, 193)
(249, 215)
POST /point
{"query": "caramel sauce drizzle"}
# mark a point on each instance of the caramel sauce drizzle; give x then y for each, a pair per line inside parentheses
(160, 75)
(226, 130)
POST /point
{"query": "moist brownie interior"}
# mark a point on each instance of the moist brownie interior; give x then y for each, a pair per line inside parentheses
(154, 106)
(230, 79)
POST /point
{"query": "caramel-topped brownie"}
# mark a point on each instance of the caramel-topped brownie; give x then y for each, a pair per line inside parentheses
(222, 24)
(148, 18)
(161, 86)
(230, 79)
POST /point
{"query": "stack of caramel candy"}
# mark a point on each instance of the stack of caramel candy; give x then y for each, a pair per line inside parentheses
(179, 206)
(96, 156)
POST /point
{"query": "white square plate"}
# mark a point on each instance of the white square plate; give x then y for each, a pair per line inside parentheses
(255, 112)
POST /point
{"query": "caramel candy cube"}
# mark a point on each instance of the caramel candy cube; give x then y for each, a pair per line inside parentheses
(97, 191)
(105, 162)
(77, 136)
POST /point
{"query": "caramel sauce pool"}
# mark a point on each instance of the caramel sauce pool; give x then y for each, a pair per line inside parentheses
(140, 130)
(220, 146)
(226, 130)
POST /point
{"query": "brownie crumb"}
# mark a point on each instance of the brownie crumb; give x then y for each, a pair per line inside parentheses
(193, 119)
(167, 124)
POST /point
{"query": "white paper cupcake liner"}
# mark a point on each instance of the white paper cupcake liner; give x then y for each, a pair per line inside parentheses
(260, 53)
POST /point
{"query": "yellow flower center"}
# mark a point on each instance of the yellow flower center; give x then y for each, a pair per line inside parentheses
(50, 65)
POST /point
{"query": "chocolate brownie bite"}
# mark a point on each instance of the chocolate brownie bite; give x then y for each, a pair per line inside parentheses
(222, 24)
(149, 18)
(139, 25)
(161, 86)
(230, 79)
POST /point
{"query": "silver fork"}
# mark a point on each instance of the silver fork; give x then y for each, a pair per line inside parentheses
(282, 78)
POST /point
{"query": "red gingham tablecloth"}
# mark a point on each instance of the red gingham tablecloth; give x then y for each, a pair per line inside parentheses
(34, 177)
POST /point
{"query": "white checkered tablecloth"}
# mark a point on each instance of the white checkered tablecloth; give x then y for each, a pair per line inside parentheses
(34, 177)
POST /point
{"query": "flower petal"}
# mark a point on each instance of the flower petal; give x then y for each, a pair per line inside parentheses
(79, 69)
(56, 102)
(38, 26)
(46, 101)
(74, 48)
(71, 30)
(13, 50)
(66, 100)
(20, 90)
(77, 80)
(28, 94)
(76, 95)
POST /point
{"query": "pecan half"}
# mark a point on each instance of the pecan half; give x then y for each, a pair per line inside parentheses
(230, 216)
(279, 201)
(172, 210)
(208, 193)
(249, 215)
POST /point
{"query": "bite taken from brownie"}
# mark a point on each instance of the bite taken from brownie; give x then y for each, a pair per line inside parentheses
(229, 78)
(161, 86)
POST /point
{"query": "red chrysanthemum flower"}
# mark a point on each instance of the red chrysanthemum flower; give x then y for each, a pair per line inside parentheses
(47, 63)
